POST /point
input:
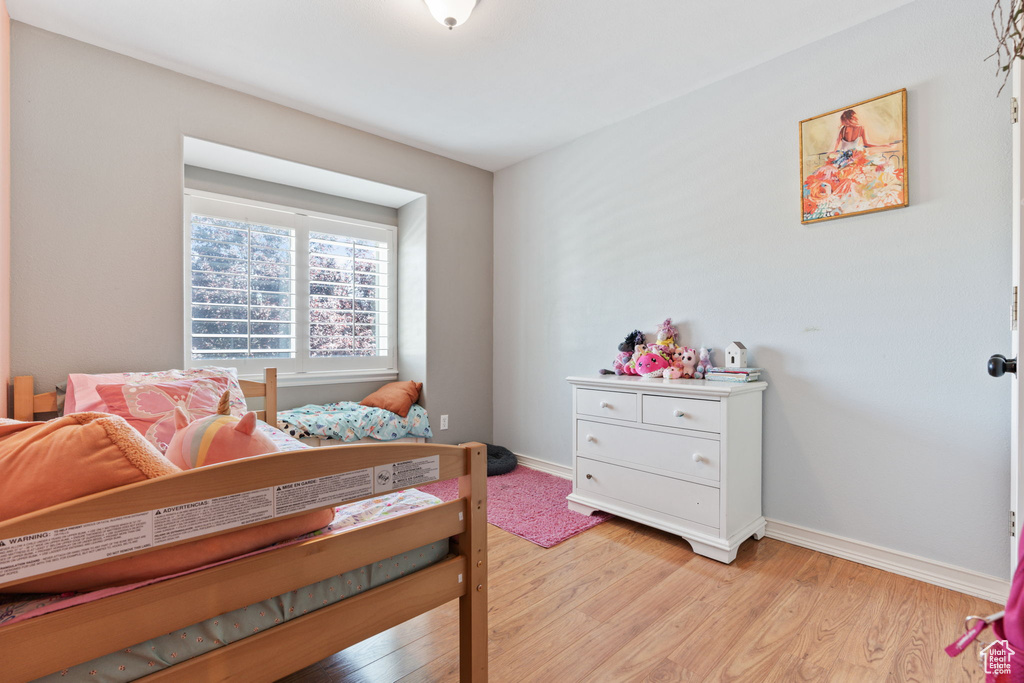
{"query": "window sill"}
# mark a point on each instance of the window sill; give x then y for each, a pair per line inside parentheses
(310, 379)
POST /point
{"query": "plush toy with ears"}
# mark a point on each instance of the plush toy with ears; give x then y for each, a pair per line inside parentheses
(688, 360)
(216, 438)
(623, 364)
(704, 365)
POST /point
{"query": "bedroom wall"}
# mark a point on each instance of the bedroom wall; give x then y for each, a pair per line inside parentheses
(880, 422)
(5, 204)
(96, 198)
(412, 320)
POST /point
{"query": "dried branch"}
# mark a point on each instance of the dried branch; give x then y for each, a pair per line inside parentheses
(1007, 23)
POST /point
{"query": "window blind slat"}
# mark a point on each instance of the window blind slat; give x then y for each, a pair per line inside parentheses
(244, 277)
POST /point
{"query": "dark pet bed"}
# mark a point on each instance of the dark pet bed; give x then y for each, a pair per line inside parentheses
(500, 460)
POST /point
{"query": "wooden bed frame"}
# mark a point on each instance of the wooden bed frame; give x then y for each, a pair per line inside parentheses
(44, 644)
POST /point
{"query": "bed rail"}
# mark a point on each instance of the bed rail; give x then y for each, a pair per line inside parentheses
(81, 633)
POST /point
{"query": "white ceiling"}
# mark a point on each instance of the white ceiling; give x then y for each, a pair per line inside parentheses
(520, 77)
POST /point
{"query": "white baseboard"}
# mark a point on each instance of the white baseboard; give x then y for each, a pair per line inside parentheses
(912, 566)
(562, 471)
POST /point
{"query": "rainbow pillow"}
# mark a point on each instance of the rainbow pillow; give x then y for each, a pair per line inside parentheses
(215, 439)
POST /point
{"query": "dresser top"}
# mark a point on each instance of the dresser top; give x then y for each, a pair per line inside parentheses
(690, 387)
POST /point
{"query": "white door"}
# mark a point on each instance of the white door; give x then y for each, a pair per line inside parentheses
(996, 364)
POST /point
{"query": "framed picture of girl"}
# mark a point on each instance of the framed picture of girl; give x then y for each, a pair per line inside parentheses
(854, 160)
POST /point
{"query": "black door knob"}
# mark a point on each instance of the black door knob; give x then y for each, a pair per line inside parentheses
(1000, 364)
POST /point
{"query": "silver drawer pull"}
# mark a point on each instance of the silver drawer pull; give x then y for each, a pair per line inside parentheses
(606, 404)
(590, 438)
(590, 476)
(697, 457)
(679, 413)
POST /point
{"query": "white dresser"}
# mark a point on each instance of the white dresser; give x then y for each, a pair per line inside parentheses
(683, 456)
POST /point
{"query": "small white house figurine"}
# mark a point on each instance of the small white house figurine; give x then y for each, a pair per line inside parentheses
(736, 355)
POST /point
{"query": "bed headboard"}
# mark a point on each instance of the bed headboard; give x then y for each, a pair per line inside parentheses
(27, 404)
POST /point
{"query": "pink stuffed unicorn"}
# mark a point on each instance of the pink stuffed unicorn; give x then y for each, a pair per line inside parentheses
(667, 333)
(216, 438)
(704, 365)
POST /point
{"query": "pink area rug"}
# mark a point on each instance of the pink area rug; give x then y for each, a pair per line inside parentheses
(527, 503)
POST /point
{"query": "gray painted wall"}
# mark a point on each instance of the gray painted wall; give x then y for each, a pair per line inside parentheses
(412, 293)
(275, 193)
(97, 227)
(880, 422)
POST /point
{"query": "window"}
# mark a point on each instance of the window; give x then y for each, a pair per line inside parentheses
(272, 285)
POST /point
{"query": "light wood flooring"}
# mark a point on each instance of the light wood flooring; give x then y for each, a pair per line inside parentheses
(623, 602)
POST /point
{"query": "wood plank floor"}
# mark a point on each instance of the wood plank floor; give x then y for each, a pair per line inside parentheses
(623, 602)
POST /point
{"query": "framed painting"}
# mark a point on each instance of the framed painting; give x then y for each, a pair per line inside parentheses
(854, 160)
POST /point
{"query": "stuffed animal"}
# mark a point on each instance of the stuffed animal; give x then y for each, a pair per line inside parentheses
(638, 352)
(688, 359)
(675, 369)
(621, 364)
(704, 365)
(216, 438)
(666, 343)
(651, 365)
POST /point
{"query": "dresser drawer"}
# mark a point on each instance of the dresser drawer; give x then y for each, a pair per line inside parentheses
(675, 497)
(687, 413)
(615, 404)
(678, 453)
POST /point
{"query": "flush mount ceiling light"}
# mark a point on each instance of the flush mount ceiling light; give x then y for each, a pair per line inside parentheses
(451, 13)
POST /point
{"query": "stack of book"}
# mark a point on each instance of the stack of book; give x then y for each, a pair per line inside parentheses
(733, 374)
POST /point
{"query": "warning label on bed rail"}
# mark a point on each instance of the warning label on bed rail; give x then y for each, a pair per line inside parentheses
(179, 522)
(402, 475)
(333, 489)
(47, 551)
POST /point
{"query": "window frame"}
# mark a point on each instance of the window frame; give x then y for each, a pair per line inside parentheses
(302, 367)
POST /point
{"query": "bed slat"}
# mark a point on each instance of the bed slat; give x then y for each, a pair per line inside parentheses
(279, 651)
(70, 636)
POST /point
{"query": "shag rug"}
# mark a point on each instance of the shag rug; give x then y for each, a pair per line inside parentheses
(527, 503)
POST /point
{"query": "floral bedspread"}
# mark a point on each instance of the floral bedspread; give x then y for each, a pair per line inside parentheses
(348, 421)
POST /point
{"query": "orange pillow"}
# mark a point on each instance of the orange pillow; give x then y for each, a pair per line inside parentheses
(46, 463)
(397, 397)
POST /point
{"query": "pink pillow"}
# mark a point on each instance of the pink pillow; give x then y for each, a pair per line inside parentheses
(82, 395)
(150, 407)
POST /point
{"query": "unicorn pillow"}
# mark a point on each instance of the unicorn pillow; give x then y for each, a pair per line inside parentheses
(216, 438)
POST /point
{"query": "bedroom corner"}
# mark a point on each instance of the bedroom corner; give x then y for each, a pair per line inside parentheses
(5, 202)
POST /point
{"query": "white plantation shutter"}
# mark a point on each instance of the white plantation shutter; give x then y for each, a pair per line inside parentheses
(271, 286)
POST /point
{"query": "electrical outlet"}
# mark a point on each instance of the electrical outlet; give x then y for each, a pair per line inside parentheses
(444, 422)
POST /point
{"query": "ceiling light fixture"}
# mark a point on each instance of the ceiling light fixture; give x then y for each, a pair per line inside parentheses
(451, 13)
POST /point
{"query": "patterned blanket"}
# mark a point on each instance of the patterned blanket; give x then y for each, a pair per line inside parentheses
(347, 421)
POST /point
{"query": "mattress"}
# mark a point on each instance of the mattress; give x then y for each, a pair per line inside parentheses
(159, 653)
(347, 421)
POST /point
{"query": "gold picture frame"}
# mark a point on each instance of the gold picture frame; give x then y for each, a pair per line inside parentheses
(840, 176)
